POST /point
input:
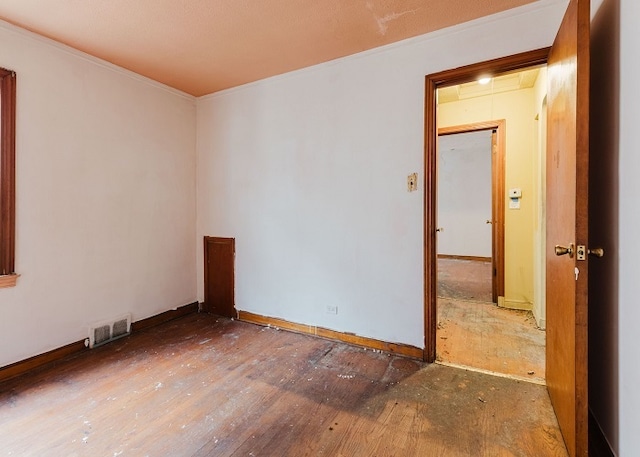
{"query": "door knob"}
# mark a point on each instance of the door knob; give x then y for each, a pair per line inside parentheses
(561, 250)
(488, 221)
(440, 229)
(597, 252)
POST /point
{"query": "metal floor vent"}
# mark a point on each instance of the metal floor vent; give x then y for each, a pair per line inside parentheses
(103, 332)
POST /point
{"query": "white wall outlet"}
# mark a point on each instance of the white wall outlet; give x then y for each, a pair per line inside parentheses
(332, 309)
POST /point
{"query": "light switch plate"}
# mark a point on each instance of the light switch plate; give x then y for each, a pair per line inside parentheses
(412, 182)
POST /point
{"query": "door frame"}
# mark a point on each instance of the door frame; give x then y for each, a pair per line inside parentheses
(432, 83)
(498, 143)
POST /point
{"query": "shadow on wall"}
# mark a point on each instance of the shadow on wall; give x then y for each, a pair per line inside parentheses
(604, 219)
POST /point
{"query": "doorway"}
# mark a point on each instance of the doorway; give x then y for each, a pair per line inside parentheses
(465, 216)
(470, 199)
(472, 330)
(566, 212)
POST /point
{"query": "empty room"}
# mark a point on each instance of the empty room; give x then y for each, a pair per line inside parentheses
(223, 227)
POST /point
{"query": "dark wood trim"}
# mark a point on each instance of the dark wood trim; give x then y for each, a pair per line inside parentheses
(432, 83)
(499, 153)
(7, 172)
(474, 127)
(472, 258)
(498, 157)
(369, 343)
(56, 355)
(598, 444)
(490, 67)
(583, 24)
(8, 280)
(32, 363)
(430, 212)
(164, 317)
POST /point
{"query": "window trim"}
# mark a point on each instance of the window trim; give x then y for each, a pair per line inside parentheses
(7, 177)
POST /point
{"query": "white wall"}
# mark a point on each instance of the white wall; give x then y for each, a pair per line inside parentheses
(464, 194)
(105, 196)
(308, 172)
(540, 219)
(629, 252)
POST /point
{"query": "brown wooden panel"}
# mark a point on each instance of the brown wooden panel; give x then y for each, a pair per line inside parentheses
(219, 261)
(7, 172)
(567, 211)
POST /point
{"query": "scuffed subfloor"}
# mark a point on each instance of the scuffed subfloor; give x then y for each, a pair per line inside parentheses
(476, 333)
(201, 386)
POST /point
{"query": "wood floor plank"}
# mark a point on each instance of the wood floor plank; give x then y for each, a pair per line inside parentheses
(476, 333)
(206, 386)
(464, 279)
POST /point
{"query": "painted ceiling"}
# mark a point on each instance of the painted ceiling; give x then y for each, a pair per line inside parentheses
(204, 46)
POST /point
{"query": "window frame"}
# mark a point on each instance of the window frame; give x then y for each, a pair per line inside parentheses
(7, 177)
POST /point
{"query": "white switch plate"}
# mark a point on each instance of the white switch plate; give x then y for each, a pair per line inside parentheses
(412, 182)
(516, 192)
(332, 309)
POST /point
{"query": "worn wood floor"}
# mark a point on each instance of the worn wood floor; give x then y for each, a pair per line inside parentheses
(474, 332)
(468, 280)
(207, 386)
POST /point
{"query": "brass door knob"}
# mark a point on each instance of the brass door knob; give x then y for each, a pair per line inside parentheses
(561, 250)
(597, 252)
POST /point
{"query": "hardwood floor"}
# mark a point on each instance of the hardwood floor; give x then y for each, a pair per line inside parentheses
(483, 336)
(475, 333)
(207, 386)
(464, 280)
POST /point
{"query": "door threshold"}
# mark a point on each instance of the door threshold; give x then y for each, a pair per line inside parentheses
(538, 381)
(470, 300)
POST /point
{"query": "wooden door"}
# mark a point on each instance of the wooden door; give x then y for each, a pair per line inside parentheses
(219, 256)
(567, 211)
